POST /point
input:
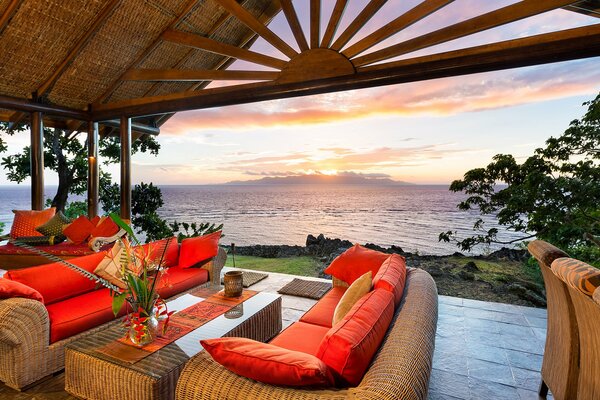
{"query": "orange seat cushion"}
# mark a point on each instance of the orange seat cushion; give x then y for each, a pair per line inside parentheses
(197, 249)
(176, 280)
(322, 312)
(392, 276)
(302, 337)
(26, 221)
(79, 230)
(72, 316)
(267, 363)
(355, 262)
(57, 282)
(350, 345)
(10, 289)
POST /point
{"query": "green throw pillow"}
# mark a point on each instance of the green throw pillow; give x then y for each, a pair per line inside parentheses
(55, 226)
(40, 240)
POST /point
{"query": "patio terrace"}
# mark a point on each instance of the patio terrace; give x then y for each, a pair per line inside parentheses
(483, 350)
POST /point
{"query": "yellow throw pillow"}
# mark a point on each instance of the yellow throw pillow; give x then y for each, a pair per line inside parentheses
(355, 292)
(110, 267)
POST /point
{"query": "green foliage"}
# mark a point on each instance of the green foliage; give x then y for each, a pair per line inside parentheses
(73, 209)
(184, 230)
(553, 195)
(1, 228)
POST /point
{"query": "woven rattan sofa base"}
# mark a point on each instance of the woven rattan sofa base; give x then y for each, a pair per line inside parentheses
(399, 371)
(96, 378)
(25, 353)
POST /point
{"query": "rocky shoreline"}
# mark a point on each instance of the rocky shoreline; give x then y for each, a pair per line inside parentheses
(455, 274)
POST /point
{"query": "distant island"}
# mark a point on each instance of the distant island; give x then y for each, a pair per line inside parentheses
(320, 179)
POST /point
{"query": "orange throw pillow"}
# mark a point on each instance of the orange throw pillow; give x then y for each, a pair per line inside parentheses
(392, 276)
(198, 249)
(26, 221)
(105, 228)
(355, 262)
(9, 289)
(79, 230)
(268, 363)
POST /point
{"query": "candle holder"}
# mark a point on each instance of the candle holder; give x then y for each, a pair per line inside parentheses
(234, 283)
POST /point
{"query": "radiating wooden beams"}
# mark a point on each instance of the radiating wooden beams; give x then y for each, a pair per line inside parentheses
(93, 178)
(79, 46)
(292, 19)
(363, 17)
(334, 22)
(125, 135)
(8, 13)
(212, 46)
(315, 23)
(412, 16)
(178, 75)
(36, 160)
(511, 13)
(15, 103)
(235, 9)
(316, 64)
(559, 46)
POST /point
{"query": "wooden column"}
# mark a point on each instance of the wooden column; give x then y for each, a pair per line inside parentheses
(37, 161)
(93, 181)
(125, 168)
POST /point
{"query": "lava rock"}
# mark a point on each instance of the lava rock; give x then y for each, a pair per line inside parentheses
(471, 267)
(466, 275)
(527, 294)
(435, 271)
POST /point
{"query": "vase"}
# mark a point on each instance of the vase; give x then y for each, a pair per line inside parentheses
(143, 330)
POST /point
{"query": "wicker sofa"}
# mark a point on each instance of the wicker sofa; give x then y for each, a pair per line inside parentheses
(33, 335)
(399, 370)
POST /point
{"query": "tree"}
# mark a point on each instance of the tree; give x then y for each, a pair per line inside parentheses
(65, 153)
(553, 195)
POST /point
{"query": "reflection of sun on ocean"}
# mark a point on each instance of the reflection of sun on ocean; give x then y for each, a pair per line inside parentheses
(329, 171)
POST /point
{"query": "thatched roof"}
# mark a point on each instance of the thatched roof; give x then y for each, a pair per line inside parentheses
(99, 59)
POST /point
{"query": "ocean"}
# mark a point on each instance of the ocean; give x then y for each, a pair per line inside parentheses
(407, 216)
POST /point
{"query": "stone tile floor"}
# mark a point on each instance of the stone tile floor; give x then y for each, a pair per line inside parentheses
(483, 350)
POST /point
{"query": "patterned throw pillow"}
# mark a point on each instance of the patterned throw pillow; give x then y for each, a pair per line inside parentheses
(26, 221)
(110, 267)
(41, 240)
(55, 226)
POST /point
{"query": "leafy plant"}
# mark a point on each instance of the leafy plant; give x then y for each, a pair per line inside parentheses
(553, 195)
(184, 230)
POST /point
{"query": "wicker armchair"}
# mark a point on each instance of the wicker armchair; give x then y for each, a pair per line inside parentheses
(560, 368)
(581, 279)
(25, 353)
(400, 369)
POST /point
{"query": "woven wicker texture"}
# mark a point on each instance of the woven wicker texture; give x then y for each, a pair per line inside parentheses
(559, 367)
(597, 296)
(399, 371)
(250, 278)
(25, 355)
(588, 318)
(305, 288)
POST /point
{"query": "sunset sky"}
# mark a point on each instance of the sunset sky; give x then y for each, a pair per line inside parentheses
(426, 132)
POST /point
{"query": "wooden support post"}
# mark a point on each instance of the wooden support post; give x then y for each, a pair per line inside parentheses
(37, 161)
(93, 181)
(125, 168)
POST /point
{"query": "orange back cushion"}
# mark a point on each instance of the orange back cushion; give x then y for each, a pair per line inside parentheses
(354, 262)
(9, 289)
(56, 282)
(392, 276)
(154, 251)
(26, 221)
(350, 345)
(198, 249)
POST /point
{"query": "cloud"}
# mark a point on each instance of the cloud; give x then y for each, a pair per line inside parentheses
(437, 97)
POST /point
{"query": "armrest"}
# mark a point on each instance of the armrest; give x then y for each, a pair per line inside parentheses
(22, 320)
(597, 296)
(97, 242)
(215, 265)
(203, 378)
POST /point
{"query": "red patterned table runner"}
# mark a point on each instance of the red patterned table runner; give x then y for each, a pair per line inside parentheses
(180, 324)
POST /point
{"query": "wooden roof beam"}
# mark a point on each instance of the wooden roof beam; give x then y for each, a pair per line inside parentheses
(361, 19)
(8, 13)
(540, 49)
(235, 9)
(79, 46)
(212, 46)
(502, 16)
(25, 105)
(169, 75)
(294, 23)
(407, 19)
(334, 22)
(315, 23)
